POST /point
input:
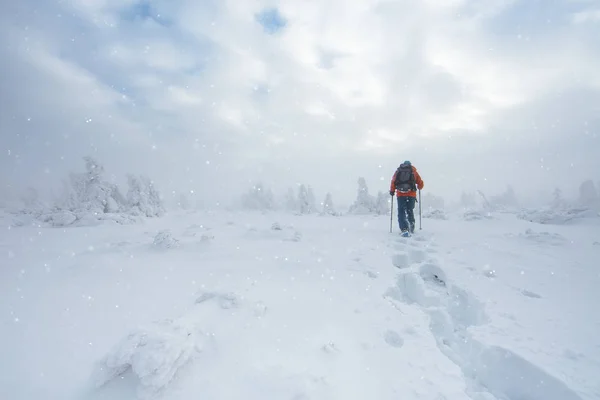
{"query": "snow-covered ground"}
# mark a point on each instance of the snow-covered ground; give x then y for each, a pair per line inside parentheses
(225, 305)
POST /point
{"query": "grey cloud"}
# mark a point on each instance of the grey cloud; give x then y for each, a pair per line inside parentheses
(183, 80)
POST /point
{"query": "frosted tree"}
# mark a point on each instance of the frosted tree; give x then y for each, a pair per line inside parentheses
(143, 198)
(328, 207)
(312, 202)
(88, 191)
(259, 198)
(365, 203)
(303, 201)
(588, 195)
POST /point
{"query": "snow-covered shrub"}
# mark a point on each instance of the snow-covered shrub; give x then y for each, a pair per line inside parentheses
(433, 213)
(59, 218)
(561, 211)
(153, 355)
(258, 198)
(365, 203)
(550, 238)
(475, 215)
(557, 216)
(164, 240)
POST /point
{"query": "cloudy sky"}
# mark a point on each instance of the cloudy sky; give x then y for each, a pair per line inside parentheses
(210, 95)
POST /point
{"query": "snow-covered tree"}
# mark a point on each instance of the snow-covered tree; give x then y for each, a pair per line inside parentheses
(89, 191)
(304, 206)
(88, 198)
(259, 198)
(142, 197)
(328, 207)
(312, 202)
(365, 203)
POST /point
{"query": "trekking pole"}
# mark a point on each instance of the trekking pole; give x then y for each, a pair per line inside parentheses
(420, 221)
(392, 214)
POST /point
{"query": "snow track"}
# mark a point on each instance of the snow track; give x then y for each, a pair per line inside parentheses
(492, 372)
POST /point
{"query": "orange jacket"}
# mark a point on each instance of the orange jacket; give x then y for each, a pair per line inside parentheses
(412, 193)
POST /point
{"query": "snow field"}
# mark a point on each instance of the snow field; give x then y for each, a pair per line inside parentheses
(245, 305)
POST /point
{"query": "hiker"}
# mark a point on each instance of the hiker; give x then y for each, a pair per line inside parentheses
(404, 183)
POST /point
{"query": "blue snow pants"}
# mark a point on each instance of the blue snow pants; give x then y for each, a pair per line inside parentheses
(406, 214)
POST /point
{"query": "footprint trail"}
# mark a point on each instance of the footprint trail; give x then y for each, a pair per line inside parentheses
(491, 372)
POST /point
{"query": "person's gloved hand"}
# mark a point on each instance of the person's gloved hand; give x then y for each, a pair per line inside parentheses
(392, 192)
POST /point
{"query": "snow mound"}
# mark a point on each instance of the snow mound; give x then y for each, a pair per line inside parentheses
(151, 356)
(550, 238)
(476, 215)
(557, 216)
(66, 218)
(276, 231)
(224, 300)
(435, 214)
(488, 271)
(164, 240)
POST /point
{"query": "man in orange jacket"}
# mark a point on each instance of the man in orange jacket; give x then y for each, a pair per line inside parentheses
(405, 182)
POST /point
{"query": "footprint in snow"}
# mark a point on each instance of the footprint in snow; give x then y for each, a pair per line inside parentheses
(401, 260)
(417, 255)
(531, 294)
(371, 274)
(405, 259)
(453, 310)
(393, 338)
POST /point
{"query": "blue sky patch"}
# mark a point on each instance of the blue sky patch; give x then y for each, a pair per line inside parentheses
(533, 17)
(143, 10)
(271, 20)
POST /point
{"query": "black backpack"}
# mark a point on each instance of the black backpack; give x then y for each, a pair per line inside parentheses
(405, 179)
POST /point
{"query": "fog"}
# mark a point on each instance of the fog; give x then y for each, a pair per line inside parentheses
(210, 97)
